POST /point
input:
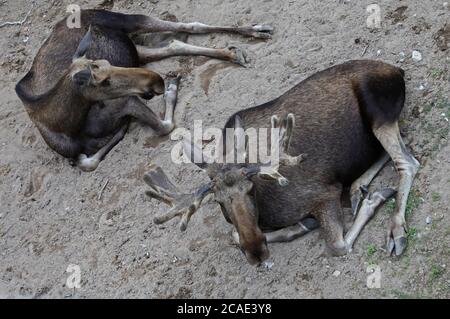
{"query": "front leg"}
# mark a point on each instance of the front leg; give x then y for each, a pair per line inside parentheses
(90, 163)
(286, 234)
(329, 215)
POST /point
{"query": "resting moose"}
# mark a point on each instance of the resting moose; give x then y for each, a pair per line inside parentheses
(347, 120)
(84, 84)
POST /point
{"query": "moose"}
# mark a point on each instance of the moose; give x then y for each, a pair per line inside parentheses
(85, 83)
(347, 128)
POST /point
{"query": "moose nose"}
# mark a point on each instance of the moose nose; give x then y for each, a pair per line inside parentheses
(156, 83)
(256, 256)
(256, 260)
(82, 78)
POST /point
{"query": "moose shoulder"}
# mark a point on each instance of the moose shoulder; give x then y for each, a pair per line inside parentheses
(346, 121)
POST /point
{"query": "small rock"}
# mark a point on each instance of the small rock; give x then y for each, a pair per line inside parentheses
(378, 52)
(416, 56)
(336, 273)
(428, 220)
(445, 5)
(268, 264)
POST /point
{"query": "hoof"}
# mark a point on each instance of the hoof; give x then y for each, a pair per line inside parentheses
(235, 237)
(338, 248)
(396, 241)
(173, 78)
(238, 56)
(261, 31)
(87, 164)
(357, 197)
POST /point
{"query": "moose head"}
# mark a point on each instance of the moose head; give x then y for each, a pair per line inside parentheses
(232, 186)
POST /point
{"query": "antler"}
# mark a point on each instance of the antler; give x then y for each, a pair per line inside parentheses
(184, 205)
(286, 128)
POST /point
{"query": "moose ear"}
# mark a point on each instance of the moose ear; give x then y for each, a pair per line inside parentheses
(84, 45)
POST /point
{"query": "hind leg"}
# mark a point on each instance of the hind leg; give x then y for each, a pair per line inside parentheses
(134, 23)
(407, 167)
(368, 209)
(359, 186)
(178, 48)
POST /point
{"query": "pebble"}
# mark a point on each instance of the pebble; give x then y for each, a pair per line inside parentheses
(378, 52)
(336, 273)
(416, 56)
(428, 220)
(268, 264)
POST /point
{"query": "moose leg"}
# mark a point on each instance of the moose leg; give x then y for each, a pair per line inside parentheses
(178, 48)
(329, 216)
(90, 163)
(407, 167)
(288, 233)
(145, 24)
(138, 110)
(137, 23)
(359, 186)
(171, 96)
(368, 209)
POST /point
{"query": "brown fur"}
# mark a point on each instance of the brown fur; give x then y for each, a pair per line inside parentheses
(335, 111)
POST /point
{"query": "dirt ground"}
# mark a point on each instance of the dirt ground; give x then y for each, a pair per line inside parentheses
(53, 215)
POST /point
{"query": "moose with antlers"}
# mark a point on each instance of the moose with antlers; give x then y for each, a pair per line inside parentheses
(347, 126)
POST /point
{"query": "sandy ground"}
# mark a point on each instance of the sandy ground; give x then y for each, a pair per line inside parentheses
(53, 215)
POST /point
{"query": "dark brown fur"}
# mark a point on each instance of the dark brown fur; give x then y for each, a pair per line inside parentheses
(68, 122)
